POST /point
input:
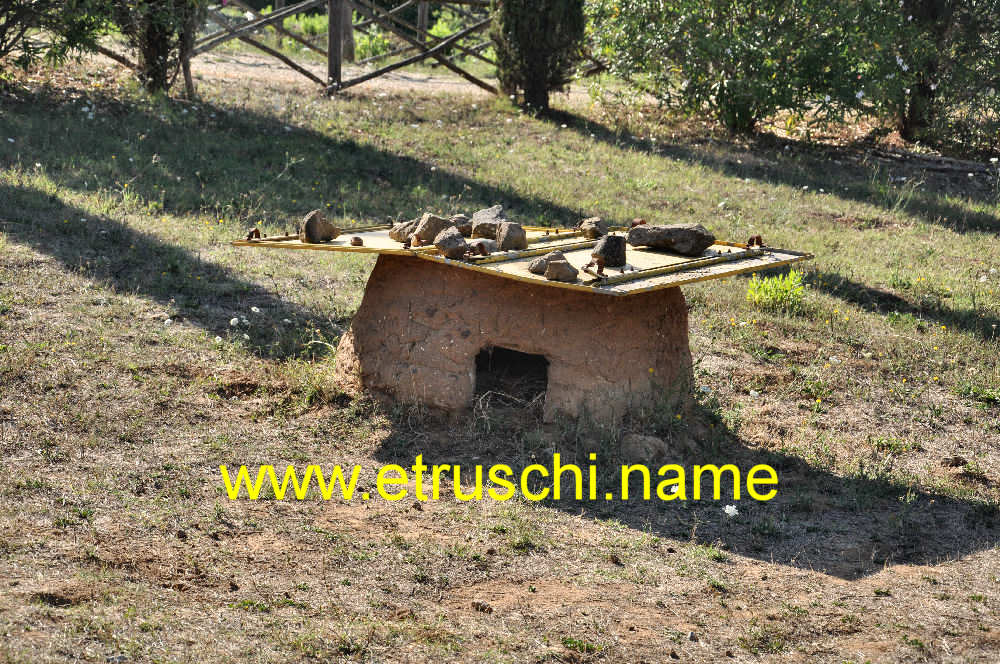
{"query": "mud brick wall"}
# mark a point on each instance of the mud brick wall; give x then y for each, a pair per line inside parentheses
(421, 324)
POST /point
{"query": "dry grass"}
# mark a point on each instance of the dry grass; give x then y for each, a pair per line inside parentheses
(118, 543)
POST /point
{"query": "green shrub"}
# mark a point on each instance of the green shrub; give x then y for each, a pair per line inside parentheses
(784, 292)
(744, 61)
(30, 29)
(537, 43)
(160, 33)
(372, 44)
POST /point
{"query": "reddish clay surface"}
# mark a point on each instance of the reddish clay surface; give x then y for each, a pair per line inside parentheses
(421, 324)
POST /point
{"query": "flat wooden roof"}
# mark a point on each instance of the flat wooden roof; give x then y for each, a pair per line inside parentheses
(647, 269)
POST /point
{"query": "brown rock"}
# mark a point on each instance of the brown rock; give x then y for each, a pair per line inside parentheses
(511, 236)
(482, 246)
(637, 447)
(561, 271)
(315, 228)
(686, 239)
(462, 223)
(593, 228)
(429, 227)
(486, 223)
(538, 265)
(610, 249)
(401, 232)
(451, 243)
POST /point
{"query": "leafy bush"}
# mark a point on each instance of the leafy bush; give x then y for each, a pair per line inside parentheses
(160, 32)
(30, 29)
(537, 43)
(372, 44)
(930, 68)
(312, 25)
(784, 292)
(742, 60)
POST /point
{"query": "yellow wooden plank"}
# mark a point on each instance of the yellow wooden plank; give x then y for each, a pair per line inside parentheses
(376, 240)
(682, 270)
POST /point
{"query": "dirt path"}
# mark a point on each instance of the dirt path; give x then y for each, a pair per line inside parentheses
(223, 66)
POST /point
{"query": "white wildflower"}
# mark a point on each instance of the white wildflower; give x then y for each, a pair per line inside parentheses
(861, 93)
(246, 337)
(244, 321)
(827, 99)
(286, 321)
(233, 322)
(218, 340)
(255, 310)
(730, 510)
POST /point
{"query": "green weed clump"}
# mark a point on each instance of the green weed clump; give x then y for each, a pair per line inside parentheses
(784, 292)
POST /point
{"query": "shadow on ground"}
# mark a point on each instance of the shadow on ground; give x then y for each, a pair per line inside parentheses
(931, 308)
(844, 526)
(251, 165)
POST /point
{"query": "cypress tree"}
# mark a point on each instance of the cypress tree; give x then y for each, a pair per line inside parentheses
(537, 43)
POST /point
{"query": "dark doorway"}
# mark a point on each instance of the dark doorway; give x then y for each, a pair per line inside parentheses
(510, 377)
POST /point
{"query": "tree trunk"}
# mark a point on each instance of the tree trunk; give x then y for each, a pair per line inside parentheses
(536, 95)
(919, 112)
(347, 28)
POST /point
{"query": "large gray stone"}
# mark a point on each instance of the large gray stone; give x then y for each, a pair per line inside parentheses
(486, 223)
(482, 246)
(401, 231)
(560, 271)
(610, 249)
(462, 223)
(429, 227)
(315, 228)
(451, 243)
(538, 265)
(687, 239)
(593, 228)
(511, 236)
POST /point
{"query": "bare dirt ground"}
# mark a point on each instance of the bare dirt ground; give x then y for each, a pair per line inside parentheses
(261, 67)
(124, 385)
